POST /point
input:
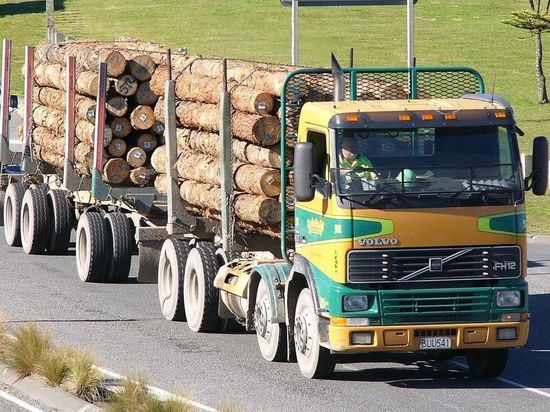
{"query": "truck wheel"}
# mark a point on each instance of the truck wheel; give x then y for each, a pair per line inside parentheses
(200, 297)
(486, 363)
(12, 213)
(60, 232)
(92, 253)
(34, 222)
(271, 336)
(173, 257)
(314, 360)
(119, 235)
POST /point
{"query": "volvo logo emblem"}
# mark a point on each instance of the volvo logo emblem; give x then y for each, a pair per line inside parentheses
(379, 241)
(436, 264)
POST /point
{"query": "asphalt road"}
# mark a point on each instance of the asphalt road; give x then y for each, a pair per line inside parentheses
(122, 326)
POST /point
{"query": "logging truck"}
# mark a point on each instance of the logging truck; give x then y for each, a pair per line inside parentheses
(422, 248)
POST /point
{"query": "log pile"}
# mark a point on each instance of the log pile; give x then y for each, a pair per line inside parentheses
(134, 144)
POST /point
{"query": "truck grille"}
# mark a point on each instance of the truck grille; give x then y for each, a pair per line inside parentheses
(441, 306)
(435, 264)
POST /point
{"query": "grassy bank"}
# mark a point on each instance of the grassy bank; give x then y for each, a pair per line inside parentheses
(453, 32)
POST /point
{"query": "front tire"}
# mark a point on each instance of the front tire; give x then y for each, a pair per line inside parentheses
(315, 361)
(486, 363)
(271, 336)
(12, 213)
(92, 253)
(34, 221)
(173, 258)
(200, 297)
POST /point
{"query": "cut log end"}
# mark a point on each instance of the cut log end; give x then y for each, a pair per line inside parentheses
(121, 127)
(126, 85)
(140, 176)
(271, 183)
(117, 148)
(142, 118)
(264, 103)
(267, 130)
(147, 142)
(136, 157)
(117, 106)
(116, 171)
(142, 67)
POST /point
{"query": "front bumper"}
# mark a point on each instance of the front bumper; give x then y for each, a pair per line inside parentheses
(407, 337)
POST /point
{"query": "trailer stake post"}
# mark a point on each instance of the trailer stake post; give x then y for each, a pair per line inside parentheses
(226, 172)
(5, 102)
(28, 165)
(100, 191)
(70, 180)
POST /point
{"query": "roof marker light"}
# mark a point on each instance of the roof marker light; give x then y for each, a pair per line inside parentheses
(500, 115)
(405, 117)
(352, 117)
(450, 116)
(428, 117)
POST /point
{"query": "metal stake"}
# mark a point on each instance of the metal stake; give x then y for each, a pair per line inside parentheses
(100, 190)
(5, 103)
(70, 180)
(28, 164)
(226, 172)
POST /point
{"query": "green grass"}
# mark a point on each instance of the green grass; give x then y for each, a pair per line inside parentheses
(451, 32)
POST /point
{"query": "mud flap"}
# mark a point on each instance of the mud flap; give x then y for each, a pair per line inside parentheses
(149, 240)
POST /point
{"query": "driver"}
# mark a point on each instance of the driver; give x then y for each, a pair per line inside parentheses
(353, 163)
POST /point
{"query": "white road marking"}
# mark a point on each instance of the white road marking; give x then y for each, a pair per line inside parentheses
(19, 402)
(510, 382)
(160, 393)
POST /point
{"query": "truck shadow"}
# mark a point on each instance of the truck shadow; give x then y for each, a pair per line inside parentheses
(417, 372)
(28, 7)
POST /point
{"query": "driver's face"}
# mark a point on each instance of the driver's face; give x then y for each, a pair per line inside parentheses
(349, 149)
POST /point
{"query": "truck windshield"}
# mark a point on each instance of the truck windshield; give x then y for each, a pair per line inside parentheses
(458, 161)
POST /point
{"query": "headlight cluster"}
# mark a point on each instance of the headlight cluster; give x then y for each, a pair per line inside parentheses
(509, 299)
(355, 303)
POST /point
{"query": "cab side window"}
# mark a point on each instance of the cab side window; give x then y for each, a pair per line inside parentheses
(319, 141)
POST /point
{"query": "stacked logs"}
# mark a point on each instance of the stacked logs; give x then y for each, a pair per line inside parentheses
(134, 139)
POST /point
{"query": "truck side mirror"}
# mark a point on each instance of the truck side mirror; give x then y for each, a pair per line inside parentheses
(540, 166)
(303, 171)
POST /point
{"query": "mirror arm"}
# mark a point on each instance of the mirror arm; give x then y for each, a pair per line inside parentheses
(322, 185)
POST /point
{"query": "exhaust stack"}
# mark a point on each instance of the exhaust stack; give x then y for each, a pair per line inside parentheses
(339, 84)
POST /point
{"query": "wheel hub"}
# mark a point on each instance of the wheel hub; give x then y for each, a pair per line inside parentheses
(300, 334)
(260, 318)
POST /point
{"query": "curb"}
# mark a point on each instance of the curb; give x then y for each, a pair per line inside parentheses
(538, 240)
(53, 397)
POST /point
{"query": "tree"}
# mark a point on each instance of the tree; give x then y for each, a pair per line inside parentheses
(536, 20)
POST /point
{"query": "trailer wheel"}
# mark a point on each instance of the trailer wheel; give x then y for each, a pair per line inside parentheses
(173, 257)
(119, 235)
(92, 253)
(12, 213)
(34, 221)
(271, 336)
(486, 363)
(314, 360)
(62, 222)
(200, 297)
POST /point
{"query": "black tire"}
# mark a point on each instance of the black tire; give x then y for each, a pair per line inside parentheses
(486, 363)
(2, 196)
(61, 222)
(12, 212)
(92, 251)
(200, 296)
(173, 258)
(119, 235)
(35, 221)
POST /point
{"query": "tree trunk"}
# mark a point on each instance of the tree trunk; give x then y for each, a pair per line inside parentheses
(48, 156)
(541, 78)
(161, 183)
(209, 143)
(207, 90)
(47, 96)
(121, 127)
(54, 75)
(147, 142)
(126, 85)
(117, 106)
(136, 157)
(117, 148)
(116, 171)
(260, 130)
(142, 117)
(159, 160)
(145, 95)
(46, 138)
(248, 207)
(140, 176)
(248, 178)
(142, 67)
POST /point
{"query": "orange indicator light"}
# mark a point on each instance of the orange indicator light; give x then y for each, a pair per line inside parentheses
(405, 117)
(352, 117)
(450, 116)
(500, 115)
(427, 117)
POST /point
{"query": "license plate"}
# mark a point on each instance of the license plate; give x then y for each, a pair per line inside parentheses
(441, 342)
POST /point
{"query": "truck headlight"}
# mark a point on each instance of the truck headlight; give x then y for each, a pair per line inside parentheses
(508, 298)
(354, 303)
